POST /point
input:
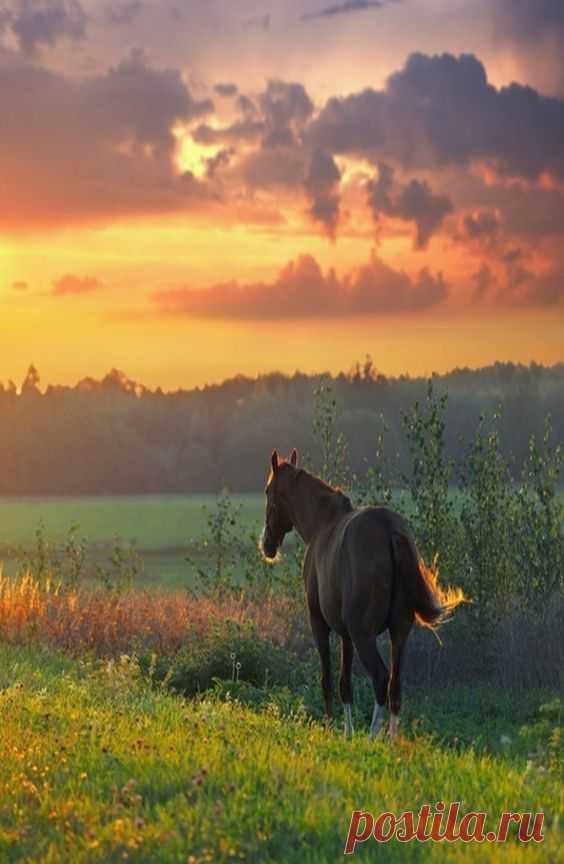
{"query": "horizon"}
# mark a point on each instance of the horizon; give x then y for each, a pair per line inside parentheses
(357, 367)
(378, 178)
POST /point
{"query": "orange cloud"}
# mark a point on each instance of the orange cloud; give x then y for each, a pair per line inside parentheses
(302, 290)
(70, 284)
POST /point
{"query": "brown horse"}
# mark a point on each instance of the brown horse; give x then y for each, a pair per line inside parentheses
(362, 576)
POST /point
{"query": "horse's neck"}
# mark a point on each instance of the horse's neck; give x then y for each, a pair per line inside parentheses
(315, 505)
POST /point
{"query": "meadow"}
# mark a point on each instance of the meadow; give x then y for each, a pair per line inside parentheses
(162, 529)
(154, 714)
(98, 765)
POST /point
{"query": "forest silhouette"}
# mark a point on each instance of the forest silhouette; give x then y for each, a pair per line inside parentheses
(115, 436)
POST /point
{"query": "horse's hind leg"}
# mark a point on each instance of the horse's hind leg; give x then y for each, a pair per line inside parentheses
(398, 635)
(365, 645)
(320, 632)
(345, 683)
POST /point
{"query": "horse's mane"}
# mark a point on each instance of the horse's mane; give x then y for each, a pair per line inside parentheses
(323, 490)
(333, 495)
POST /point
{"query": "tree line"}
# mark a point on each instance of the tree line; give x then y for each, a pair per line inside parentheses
(115, 436)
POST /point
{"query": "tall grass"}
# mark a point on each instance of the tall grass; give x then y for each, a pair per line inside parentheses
(106, 623)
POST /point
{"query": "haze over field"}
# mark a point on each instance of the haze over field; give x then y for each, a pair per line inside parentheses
(193, 190)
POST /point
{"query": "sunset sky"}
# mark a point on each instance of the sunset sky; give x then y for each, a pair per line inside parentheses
(190, 189)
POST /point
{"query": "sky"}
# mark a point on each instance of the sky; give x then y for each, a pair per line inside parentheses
(192, 190)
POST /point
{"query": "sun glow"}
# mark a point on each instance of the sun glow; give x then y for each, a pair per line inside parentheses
(192, 156)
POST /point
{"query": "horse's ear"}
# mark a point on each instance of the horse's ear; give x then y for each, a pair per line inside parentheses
(294, 457)
(274, 461)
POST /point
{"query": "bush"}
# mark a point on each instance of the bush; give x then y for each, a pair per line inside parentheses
(226, 650)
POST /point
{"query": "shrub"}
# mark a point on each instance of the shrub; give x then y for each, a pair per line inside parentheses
(227, 649)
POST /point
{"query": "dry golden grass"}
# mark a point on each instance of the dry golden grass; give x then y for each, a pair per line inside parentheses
(108, 623)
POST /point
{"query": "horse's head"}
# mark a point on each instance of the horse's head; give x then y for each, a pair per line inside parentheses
(278, 521)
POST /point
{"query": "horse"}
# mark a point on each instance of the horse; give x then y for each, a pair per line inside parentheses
(362, 576)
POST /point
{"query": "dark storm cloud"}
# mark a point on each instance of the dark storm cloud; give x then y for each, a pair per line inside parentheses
(71, 284)
(441, 111)
(413, 202)
(42, 23)
(302, 290)
(347, 7)
(106, 144)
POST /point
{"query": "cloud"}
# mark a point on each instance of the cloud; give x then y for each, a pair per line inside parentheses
(42, 23)
(221, 160)
(123, 12)
(482, 225)
(483, 279)
(545, 290)
(534, 31)
(270, 168)
(322, 185)
(226, 90)
(527, 20)
(413, 202)
(285, 108)
(238, 132)
(441, 112)
(277, 117)
(522, 287)
(303, 291)
(525, 211)
(70, 284)
(106, 149)
(346, 7)
(20, 285)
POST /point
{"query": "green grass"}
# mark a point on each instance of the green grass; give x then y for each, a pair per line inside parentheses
(150, 521)
(96, 766)
(161, 527)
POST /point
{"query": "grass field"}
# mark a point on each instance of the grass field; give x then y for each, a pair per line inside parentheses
(99, 767)
(104, 760)
(161, 527)
(150, 521)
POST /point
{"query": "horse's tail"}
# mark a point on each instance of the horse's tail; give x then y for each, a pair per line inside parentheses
(431, 604)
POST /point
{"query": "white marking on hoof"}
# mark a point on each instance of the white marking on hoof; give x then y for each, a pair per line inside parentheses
(394, 722)
(376, 721)
(348, 720)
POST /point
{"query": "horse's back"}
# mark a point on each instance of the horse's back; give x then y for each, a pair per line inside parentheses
(354, 564)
